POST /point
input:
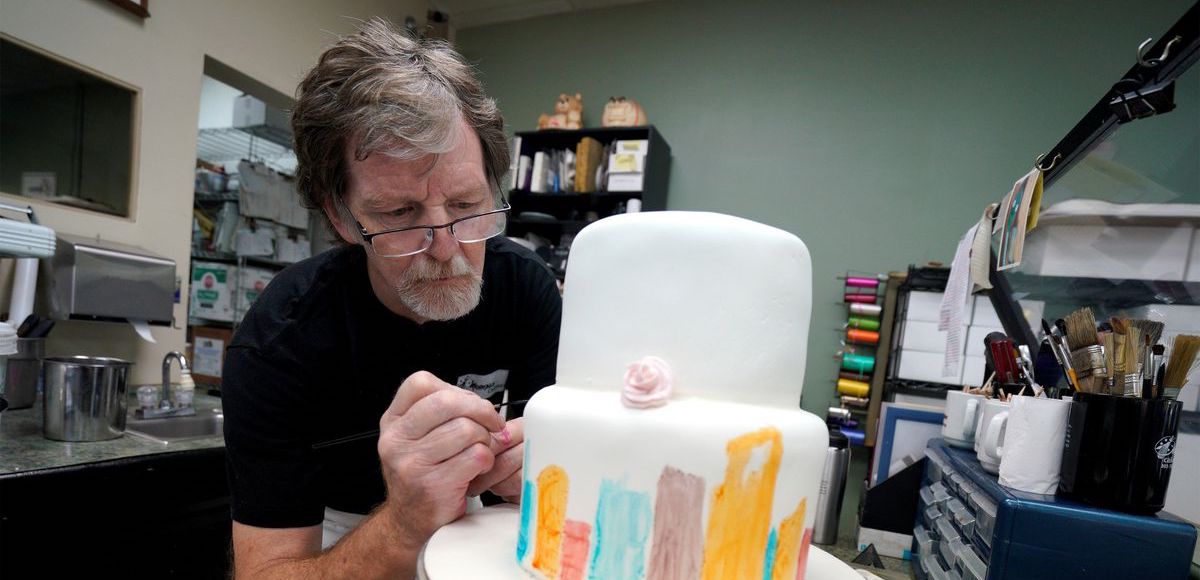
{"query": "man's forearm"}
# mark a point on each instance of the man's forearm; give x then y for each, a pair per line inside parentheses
(374, 549)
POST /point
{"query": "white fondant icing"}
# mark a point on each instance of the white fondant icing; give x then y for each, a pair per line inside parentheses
(591, 435)
(726, 301)
(480, 545)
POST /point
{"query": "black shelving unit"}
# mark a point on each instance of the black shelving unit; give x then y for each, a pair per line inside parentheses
(557, 217)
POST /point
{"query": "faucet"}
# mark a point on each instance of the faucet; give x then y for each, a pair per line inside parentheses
(166, 408)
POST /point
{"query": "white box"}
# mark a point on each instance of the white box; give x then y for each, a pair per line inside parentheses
(625, 182)
(253, 282)
(928, 306)
(922, 335)
(638, 147)
(985, 314)
(1193, 265)
(626, 163)
(916, 365)
(975, 336)
(972, 373)
(1108, 251)
(211, 291)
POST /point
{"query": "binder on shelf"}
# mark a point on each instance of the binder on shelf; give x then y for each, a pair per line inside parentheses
(587, 158)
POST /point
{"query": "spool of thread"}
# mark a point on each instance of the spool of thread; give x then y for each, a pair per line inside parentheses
(860, 298)
(853, 376)
(862, 309)
(856, 436)
(858, 362)
(862, 282)
(853, 388)
(838, 414)
(862, 336)
(863, 323)
(860, 402)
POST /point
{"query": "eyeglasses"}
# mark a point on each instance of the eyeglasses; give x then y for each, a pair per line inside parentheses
(401, 242)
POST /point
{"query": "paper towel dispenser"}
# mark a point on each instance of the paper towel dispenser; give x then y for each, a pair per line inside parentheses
(93, 279)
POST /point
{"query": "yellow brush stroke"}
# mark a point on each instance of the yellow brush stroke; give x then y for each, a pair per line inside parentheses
(787, 551)
(551, 519)
(740, 518)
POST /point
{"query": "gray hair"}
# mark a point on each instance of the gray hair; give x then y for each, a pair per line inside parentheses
(391, 94)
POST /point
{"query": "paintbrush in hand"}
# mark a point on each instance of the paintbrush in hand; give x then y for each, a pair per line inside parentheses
(375, 432)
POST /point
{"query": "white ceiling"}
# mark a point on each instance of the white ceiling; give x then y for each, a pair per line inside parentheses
(470, 13)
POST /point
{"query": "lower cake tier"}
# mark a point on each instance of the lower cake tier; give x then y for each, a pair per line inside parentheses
(692, 489)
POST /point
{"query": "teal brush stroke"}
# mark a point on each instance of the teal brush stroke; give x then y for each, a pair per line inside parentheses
(769, 565)
(526, 516)
(622, 525)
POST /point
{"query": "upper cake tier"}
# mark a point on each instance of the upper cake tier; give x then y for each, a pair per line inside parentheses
(729, 331)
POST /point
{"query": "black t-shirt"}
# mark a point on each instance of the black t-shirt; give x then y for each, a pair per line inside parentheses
(318, 357)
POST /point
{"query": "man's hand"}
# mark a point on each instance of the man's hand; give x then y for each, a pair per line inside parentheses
(434, 439)
(504, 478)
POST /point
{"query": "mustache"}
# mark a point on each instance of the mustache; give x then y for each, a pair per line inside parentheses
(426, 269)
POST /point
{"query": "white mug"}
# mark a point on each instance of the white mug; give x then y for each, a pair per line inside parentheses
(958, 422)
(1031, 455)
(990, 409)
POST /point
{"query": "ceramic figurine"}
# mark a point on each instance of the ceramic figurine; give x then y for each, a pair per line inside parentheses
(568, 113)
(622, 112)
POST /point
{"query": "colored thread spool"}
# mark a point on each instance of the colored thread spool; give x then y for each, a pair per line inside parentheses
(860, 402)
(862, 336)
(853, 388)
(860, 298)
(858, 362)
(872, 310)
(862, 282)
(863, 323)
(853, 376)
(856, 436)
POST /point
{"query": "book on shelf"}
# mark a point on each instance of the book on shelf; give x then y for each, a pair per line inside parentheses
(587, 160)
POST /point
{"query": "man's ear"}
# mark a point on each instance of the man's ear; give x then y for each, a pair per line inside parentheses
(344, 230)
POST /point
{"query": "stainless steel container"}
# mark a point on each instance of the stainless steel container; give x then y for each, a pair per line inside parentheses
(24, 370)
(84, 398)
(833, 488)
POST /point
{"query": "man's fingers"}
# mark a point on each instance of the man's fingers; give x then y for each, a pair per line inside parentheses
(414, 388)
(504, 478)
(451, 438)
(447, 404)
(467, 464)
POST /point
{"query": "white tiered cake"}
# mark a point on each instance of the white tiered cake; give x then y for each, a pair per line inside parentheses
(695, 462)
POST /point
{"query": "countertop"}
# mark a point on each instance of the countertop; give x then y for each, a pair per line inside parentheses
(23, 449)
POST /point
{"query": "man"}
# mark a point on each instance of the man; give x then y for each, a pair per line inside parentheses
(402, 151)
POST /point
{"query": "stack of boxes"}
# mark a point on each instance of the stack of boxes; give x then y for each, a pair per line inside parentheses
(627, 165)
(922, 347)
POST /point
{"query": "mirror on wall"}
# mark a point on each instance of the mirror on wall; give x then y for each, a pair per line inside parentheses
(66, 134)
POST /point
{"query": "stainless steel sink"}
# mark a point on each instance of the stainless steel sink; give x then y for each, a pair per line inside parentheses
(203, 424)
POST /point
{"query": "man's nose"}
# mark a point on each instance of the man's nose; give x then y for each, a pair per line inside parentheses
(444, 246)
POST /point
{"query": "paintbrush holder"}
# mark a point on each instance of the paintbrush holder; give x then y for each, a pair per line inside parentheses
(1119, 451)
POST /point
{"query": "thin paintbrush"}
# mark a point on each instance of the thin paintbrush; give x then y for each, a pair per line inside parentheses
(375, 432)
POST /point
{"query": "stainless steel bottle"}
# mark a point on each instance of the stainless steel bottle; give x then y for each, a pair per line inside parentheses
(833, 487)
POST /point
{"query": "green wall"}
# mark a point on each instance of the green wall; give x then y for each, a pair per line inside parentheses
(875, 131)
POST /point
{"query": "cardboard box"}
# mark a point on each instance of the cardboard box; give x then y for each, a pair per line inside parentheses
(985, 313)
(252, 283)
(975, 338)
(916, 365)
(625, 182)
(211, 291)
(925, 336)
(927, 306)
(208, 352)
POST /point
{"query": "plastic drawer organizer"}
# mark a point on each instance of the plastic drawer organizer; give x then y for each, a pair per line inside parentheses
(970, 527)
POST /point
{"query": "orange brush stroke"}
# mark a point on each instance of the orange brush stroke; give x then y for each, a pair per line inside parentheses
(740, 518)
(787, 552)
(551, 519)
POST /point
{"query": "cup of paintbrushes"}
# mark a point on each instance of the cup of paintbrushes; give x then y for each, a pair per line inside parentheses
(1118, 451)
(1089, 366)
